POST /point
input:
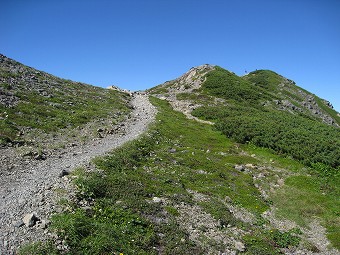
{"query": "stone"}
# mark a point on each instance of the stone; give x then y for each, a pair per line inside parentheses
(64, 173)
(40, 157)
(172, 150)
(239, 167)
(156, 199)
(42, 224)
(239, 246)
(280, 182)
(18, 223)
(30, 219)
(250, 166)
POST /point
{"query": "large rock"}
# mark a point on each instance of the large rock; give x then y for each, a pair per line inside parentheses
(30, 219)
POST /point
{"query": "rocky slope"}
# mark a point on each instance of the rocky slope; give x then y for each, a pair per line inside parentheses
(35, 106)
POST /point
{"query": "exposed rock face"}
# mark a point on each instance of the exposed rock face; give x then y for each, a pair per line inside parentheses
(7, 98)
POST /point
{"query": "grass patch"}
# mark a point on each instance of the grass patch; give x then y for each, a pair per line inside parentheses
(40, 248)
(304, 198)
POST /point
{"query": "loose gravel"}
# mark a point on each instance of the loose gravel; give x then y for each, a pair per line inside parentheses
(32, 186)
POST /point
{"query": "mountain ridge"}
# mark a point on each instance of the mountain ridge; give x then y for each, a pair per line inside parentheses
(287, 95)
(230, 165)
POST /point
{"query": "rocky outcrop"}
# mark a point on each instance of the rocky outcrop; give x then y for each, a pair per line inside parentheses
(188, 83)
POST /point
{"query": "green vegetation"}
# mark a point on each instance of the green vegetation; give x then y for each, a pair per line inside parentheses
(265, 78)
(177, 189)
(78, 106)
(259, 244)
(40, 248)
(139, 191)
(227, 85)
(298, 136)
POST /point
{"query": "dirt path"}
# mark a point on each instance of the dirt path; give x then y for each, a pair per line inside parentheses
(32, 186)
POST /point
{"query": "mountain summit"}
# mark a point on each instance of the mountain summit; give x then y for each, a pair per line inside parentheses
(261, 88)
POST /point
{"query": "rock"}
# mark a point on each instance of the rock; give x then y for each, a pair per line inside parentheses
(156, 199)
(42, 224)
(172, 150)
(30, 219)
(280, 182)
(40, 157)
(239, 246)
(63, 173)
(250, 166)
(18, 223)
(239, 168)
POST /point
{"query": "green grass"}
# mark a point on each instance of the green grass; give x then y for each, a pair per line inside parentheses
(83, 105)
(305, 198)
(45, 103)
(146, 168)
(39, 248)
(176, 158)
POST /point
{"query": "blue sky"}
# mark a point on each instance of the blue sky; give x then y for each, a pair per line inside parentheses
(137, 44)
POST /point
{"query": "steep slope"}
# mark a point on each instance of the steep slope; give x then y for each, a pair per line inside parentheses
(293, 98)
(34, 104)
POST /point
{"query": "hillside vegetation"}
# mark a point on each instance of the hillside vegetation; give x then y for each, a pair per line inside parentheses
(34, 103)
(250, 117)
(184, 188)
(255, 170)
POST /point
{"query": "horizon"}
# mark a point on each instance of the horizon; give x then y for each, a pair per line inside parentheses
(137, 45)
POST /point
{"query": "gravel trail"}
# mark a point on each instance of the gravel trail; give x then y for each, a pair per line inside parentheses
(31, 186)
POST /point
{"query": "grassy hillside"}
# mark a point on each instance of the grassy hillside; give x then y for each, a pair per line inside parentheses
(185, 188)
(33, 102)
(264, 179)
(250, 117)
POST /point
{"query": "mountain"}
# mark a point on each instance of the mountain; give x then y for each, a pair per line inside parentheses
(35, 105)
(262, 108)
(260, 88)
(230, 165)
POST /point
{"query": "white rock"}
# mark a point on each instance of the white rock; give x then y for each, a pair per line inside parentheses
(239, 246)
(30, 219)
(156, 199)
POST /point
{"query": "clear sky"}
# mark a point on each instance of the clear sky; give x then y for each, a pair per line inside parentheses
(137, 44)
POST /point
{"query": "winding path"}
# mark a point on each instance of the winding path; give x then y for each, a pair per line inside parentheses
(33, 189)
